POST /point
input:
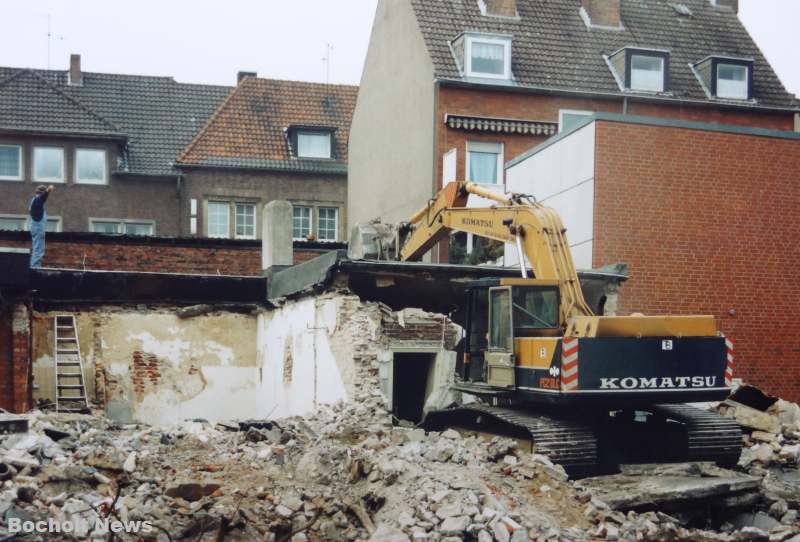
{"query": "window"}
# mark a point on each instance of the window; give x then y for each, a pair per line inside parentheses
(301, 222)
(245, 221)
(732, 81)
(23, 223)
(500, 337)
(13, 223)
(219, 219)
(10, 162)
(328, 223)
(647, 73)
(127, 227)
(568, 119)
(313, 145)
(48, 164)
(90, 166)
(485, 162)
(488, 57)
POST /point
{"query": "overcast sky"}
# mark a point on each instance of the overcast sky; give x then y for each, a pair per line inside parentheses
(204, 41)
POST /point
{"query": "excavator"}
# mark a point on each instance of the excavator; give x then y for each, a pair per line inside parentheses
(587, 390)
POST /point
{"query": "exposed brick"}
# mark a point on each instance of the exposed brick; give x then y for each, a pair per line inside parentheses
(708, 223)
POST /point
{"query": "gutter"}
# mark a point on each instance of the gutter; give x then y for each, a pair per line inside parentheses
(615, 96)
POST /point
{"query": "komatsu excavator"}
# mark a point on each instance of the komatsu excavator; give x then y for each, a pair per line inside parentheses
(590, 391)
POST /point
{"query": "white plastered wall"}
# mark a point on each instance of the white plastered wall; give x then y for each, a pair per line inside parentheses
(561, 176)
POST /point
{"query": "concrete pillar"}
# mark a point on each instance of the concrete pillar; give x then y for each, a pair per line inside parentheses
(277, 250)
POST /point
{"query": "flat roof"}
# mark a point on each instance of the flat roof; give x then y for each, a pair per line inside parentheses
(654, 121)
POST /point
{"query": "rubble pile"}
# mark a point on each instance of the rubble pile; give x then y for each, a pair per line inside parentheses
(345, 473)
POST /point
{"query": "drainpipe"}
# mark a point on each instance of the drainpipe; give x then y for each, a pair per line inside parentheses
(624, 105)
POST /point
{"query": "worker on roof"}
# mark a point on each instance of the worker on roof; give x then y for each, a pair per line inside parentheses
(38, 223)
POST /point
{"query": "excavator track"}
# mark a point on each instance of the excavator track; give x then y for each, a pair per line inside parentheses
(710, 436)
(569, 443)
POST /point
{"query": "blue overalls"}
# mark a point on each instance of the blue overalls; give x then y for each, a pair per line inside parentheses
(38, 228)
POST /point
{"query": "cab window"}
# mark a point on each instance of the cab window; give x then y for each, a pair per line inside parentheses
(500, 319)
(535, 308)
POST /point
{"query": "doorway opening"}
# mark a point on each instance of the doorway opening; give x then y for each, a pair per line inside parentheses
(412, 383)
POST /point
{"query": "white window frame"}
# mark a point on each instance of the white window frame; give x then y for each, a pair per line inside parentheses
(227, 234)
(746, 80)
(120, 222)
(21, 165)
(562, 112)
(58, 220)
(335, 223)
(105, 166)
(236, 218)
(310, 220)
(488, 147)
(24, 218)
(505, 42)
(36, 176)
(301, 132)
(663, 67)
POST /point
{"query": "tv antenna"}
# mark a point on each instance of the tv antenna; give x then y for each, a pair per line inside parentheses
(327, 61)
(50, 37)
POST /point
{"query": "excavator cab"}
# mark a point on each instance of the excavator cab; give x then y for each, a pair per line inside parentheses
(509, 323)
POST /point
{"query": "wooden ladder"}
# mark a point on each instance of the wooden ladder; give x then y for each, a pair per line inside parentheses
(70, 388)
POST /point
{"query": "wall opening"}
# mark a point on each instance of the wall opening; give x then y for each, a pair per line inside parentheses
(410, 385)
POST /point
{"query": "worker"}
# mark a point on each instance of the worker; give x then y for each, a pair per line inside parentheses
(38, 223)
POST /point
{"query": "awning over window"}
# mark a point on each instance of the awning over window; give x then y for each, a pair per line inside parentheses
(504, 126)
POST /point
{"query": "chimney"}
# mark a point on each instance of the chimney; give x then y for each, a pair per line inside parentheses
(603, 12)
(732, 4)
(242, 75)
(499, 8)
(75, 76)
(277, 248)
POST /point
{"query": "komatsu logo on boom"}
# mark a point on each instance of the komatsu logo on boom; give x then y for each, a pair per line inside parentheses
(656, 383)
(483, 223)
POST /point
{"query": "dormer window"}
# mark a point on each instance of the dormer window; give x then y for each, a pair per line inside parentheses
(487, 56)
(726, 78)
(647, 73)
(311, 142)
(732, 81)
(643, 70)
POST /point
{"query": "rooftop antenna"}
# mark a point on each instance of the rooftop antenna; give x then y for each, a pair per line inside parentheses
(50, 37)
(327, 61)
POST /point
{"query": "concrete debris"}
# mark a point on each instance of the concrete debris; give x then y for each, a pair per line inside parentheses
(346, 473)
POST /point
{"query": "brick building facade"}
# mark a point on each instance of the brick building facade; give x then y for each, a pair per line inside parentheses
(482, 82)
(704, 215)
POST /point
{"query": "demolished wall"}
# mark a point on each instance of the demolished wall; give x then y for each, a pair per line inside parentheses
(151, 365)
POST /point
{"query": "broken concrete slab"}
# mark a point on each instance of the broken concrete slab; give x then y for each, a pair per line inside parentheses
(750, 417)
(644, 487)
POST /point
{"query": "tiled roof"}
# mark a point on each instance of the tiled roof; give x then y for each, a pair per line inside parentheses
(553, 49)
(157, 115)
(250, 129)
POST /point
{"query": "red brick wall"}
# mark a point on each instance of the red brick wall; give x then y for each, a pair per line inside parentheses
(199, 256)
(516, 105)
(16, 391)
(708, 223)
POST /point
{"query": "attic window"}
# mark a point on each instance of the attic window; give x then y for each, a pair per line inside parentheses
(488, 57)
(311, 142)
(725, 77)
(643, 70)
(732, 81)
(647, 73)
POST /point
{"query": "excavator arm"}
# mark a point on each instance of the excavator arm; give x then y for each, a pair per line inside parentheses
(535, 229)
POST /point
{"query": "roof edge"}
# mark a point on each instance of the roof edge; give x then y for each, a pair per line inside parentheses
(655, 121)
(617, 95)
